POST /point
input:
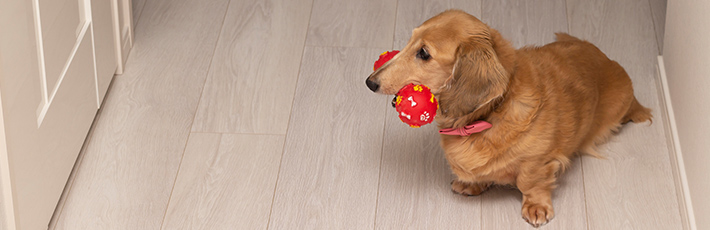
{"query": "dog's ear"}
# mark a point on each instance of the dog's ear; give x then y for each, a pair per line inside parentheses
(478, 77)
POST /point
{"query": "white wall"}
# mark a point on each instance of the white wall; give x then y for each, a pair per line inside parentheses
(686, 54)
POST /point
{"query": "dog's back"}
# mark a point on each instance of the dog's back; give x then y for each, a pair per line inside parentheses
(594, 84)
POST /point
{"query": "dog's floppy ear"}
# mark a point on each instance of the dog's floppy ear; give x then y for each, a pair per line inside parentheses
(478, 78)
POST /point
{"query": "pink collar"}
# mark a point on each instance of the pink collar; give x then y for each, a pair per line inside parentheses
(475, 127)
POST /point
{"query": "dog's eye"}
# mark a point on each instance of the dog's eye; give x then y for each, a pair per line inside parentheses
(423, 54)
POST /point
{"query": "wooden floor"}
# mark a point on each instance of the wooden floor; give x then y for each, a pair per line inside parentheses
(231, 115)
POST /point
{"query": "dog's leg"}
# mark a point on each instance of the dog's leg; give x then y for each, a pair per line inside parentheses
(468, 188)
(537, 184)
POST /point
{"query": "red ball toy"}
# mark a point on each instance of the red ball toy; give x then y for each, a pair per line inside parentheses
(416, 105)
(384, 57)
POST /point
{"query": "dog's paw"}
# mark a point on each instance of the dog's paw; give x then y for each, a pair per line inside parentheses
(537, 214)
(468, 189)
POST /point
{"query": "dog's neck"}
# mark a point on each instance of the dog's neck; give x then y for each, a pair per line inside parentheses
(481, 113)
(518, 106)
(508, 59)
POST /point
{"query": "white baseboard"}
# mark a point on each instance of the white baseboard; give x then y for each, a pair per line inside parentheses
(681, 182)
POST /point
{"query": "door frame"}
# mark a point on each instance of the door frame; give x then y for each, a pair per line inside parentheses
(122, 31)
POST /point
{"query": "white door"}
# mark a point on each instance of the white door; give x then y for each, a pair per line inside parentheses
(51, 85)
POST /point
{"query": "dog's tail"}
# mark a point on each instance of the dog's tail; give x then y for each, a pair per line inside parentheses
(563, 37)
(637, 113)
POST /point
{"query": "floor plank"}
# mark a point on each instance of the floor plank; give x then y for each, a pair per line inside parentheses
(526, 23)
(253, 75)
(348, 163)
(225, 182)
(329, 175)
(412, 13)
(501, 206)
(658, 9)
(343, 23)
(129, 166)
(137, 7)
(633, 187)
(414, 190)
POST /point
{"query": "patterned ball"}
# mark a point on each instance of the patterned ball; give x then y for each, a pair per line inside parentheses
(416, 105)
(384, 57)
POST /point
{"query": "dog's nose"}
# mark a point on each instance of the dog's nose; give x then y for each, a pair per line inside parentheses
(372, 85)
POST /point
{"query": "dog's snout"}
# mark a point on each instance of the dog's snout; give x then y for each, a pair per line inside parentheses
(372, 85)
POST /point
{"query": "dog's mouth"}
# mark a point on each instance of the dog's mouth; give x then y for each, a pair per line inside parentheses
(394, 101)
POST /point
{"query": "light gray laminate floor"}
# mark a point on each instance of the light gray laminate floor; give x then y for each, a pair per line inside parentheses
(254, 114)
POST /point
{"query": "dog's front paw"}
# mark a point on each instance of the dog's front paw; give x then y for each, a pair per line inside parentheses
(468, 189)
(537, 214)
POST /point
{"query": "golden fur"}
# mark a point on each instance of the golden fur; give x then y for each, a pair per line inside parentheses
(545, 103)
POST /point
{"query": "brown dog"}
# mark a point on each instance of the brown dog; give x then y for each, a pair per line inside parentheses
(545, 103)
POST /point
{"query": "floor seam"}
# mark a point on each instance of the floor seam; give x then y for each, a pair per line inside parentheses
(379, 173)
(384, 130)
(569, 27)
(242, 133)
(189, 133)
(135, 23)
(288, 124)
(655, 32)
(584, 192)
(351, 47)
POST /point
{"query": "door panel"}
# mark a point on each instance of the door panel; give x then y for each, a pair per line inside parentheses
(60, 22)
(52, 78)
(42, 158)
(18, 54)
(41, 155)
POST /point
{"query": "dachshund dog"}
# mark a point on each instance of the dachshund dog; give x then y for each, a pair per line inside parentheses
(546, 104)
